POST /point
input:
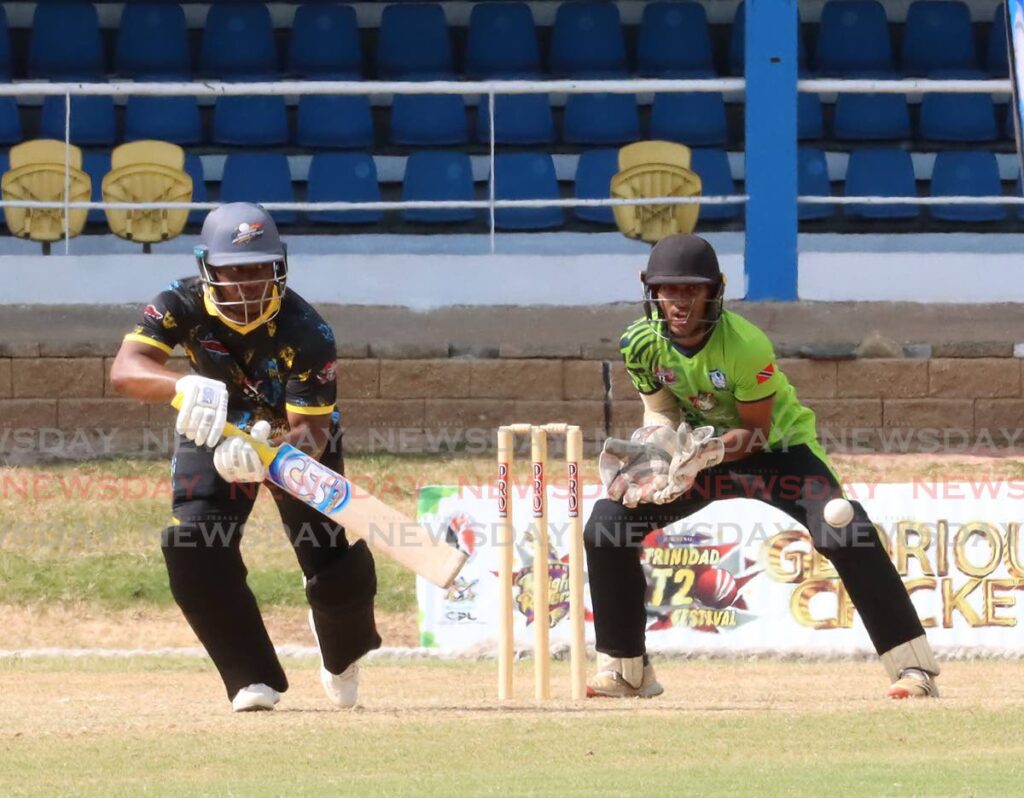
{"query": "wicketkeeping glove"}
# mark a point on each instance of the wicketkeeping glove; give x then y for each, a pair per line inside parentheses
(237, 460)
(204, 409)
(634, 471)
(697, 450)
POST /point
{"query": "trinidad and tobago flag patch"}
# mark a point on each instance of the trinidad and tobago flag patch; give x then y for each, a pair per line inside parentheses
(766, 373)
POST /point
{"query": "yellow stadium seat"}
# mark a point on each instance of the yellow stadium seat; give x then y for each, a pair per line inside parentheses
(147, 171)
(655, 169)
(37, 173)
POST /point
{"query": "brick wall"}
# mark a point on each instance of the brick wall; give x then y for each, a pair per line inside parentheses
(425, 403)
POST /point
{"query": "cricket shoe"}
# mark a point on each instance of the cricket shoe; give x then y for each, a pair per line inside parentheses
(630, 677)
(255, 698)
(341, 688)
(913, 683)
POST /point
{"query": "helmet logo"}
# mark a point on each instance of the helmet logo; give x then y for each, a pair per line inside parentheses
(246, 232)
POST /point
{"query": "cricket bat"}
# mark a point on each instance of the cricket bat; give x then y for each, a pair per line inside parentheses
(385, 529)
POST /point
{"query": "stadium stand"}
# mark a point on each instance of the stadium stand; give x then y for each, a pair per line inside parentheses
(587, 41)
(238, 42)
(65, 43)
(429, 119)
(174, 119)
(594, 171)
(339, 121)
(716, 180)
(601, 119)
(343, 177)
(414, 43)
(674, 41)
(521, 119)
(92, 120)
(973, 173)
(259, 177)
(522, 176)
(502, 42)
(152, 42)
(435, 177)
(813, 181)
(883, 173)
(853, 39)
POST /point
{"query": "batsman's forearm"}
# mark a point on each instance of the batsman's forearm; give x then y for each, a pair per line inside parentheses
(142, 378)
(307, 439)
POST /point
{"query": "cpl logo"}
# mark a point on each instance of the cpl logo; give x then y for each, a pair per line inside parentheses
(574, 490)
(538, 489)
(502, 490)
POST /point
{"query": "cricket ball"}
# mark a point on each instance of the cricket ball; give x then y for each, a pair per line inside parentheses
(715, 588)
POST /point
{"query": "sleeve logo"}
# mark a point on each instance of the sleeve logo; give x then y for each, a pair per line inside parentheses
(766, 373)
(152, 312)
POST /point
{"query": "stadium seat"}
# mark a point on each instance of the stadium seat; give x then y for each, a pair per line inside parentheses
(325, 43)
(871, 117)
(5, 47)
(587, 41)
(152, 42)
(258, 177)
(594, 172)
(96, 164)
(997, 61)
(600, 119)
(674, 40)
(526, 176)
(65, 42)
(343, 177)
(813, 180)
(853, 38)
(1009, 126)
(522, 119)
(958, 117)
(37, 172)
(250, 120)
(696, 118)
(413, 42)
(147, 171)
(436, 177)
(655, 169)
(92, 119)
(238, 42)
(429, 119)
(712, 165)
(938, 35)
(10, 121)
(968, 174)
(881, 173)
(738, 46)
(810, 123)
(338, 121)
(194, 167)
(502, 41)
(174, 119)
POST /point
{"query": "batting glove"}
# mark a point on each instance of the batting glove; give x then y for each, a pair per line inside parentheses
(237, 460)
(204, 409)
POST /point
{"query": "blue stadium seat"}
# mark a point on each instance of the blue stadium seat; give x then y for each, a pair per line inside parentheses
(258, 177)
(1009, 126)
(881, 173)
(716, 181)
(937, 35)
(250, 120)
(587, 41)
(92, 119)
(968, 174)
(436, 177)
(10, 121)
(65, 42)
(343, 177)
(429, 119)
(600, 119)
(238, 42)
(414, 42)
(96, 164)
(194, 166)
(342, 120)
(997, 61)
(958, 117)
(325, 43)
(594, 171)
(502, 41)
(810, 123)
(522, 119)
(693, 118)
(152, 42)
(5, 47)
(738, 47)
(853, 38)
(525, 176)
(871, 117)
(674, 40)
(812, 180)
(174, 119)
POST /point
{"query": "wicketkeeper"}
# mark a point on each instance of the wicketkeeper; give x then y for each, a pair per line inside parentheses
(263, 359)
(722, 421)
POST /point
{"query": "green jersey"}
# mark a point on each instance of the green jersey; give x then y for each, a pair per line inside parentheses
(736, 364)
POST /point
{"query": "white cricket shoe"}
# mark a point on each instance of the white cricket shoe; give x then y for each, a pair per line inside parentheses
(341, 688)
(255, 698)
(623, 678)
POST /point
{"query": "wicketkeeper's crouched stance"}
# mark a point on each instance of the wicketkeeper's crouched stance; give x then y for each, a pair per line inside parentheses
(263, 359)
(693, 362)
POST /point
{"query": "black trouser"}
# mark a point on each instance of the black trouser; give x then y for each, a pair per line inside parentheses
(208, 578)
(799, 483)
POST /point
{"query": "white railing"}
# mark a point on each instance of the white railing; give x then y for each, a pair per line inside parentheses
(491, 88)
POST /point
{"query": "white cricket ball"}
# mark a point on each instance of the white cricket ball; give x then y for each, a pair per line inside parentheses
(838, 513)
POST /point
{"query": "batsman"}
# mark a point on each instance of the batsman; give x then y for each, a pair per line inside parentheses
(264, 360)
(722, 421)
